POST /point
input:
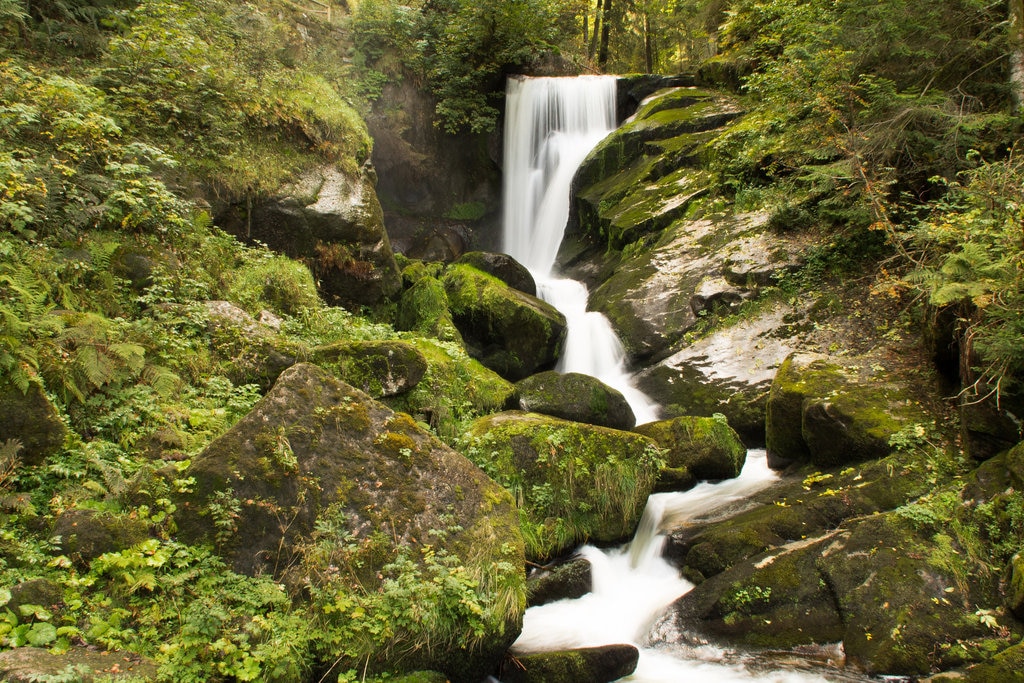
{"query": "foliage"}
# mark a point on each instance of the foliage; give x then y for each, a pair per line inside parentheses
(972, 259)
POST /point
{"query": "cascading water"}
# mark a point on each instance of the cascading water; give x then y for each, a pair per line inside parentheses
(552, 124)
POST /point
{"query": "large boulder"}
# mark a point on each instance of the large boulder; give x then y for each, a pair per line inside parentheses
(575, 396)
(574, 482)
(380, 368)
(332, 220)
(507, 330)
(317, 454)
(87, 534)
(833, 414)
(28, 417)
(560, 581)
(896, 601)
(695, 448)
(808, 505)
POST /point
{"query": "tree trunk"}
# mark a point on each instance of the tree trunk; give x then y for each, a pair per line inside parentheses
(1017, 52)
(649, 44)
(592, 50)
(602, 53)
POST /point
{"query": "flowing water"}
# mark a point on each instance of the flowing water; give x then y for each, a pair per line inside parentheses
(552, 124)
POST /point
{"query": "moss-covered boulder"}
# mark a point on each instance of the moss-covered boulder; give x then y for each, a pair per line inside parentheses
(32, 664)
(573, 482)
(695, 448)
(424, 308)
(317, 455)
(509, 331)
(28, 417)
(585, 665)
(897, 600)
(454, 389)
(575, 396)
(831, 414)
(332, 220)
(252, 352)
(561, 581)
(379, 368)
(503, 267)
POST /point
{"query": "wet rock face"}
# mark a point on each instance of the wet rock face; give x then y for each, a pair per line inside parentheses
(568, 580)
(507, 330)
(575, 396)
(334, 223)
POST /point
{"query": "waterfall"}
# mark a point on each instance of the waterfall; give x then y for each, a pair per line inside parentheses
(551, 126)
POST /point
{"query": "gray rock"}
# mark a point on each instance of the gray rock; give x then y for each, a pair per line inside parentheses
(31, 664)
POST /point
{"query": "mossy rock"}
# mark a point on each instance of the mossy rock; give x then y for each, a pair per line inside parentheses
(455, 388)
(574, 482)
(331, 219)
(316, 451)
(585, 665)
(893, 595)
(424, 308)
(251, 353)
(778, 600)
(575, 396)
(87, 534)
(43, 592)
(509, 331)
(562, 581)
(1005, 667)
(831, 414)
(380, 368)
(706, 447)
(32, 664)
(503, 267)
(989, 422)
(1015, 589)
(29, 418)
(804, 506)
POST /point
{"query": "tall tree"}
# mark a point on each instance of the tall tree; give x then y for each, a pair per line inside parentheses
(606, 16)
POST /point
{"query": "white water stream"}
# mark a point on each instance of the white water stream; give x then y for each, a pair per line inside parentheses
(551, 125)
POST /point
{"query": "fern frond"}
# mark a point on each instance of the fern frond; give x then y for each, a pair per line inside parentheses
(162, 379)
(133, 356)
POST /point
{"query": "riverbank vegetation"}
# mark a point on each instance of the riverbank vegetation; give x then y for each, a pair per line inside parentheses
(126, 126)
